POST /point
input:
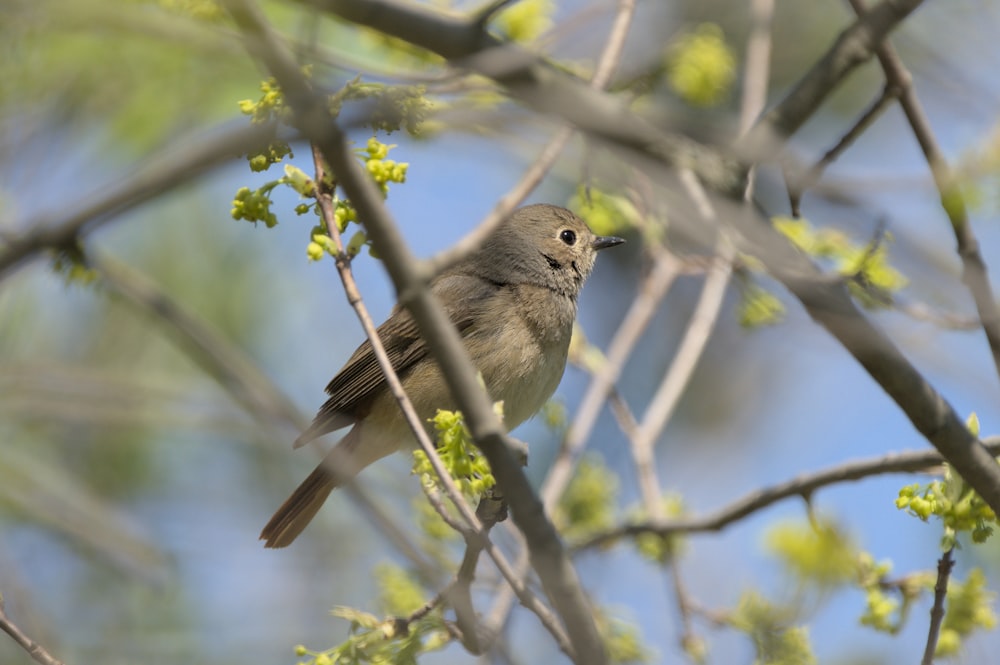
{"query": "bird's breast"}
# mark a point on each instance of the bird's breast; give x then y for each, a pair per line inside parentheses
(523, 356)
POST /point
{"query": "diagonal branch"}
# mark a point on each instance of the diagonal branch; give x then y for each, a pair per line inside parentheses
(38, 653)
(853, 48)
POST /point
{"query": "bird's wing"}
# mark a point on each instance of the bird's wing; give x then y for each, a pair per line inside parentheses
(361, 379)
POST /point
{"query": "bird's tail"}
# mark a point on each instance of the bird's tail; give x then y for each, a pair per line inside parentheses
(343, 462)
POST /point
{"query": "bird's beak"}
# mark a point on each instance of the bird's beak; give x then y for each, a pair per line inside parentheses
(603, 242)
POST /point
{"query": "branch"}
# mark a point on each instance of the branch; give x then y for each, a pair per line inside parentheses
(802, 486)
(232, 369)
(152, 179)
(37, 652)
(799, 183)
(945, 564)
(974, 272)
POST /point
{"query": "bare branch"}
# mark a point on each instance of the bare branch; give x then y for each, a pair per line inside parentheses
(801, 486)
(798, 183)
(37, 652)
(228, 365)
(945, 564)
(674, 382)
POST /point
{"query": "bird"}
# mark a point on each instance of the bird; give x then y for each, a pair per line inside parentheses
(513, 301)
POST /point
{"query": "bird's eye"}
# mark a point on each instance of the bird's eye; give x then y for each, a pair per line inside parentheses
(567, 236)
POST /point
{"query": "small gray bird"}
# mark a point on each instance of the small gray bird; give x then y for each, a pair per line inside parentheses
(513, 302)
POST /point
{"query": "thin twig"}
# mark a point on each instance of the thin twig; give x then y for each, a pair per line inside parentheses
(799, 183)
(974, 272)
(434, 497)
(945, 564)
(37, 652)
(802, 486)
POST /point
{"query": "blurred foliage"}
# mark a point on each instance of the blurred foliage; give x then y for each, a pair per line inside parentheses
(589, 504)
(622, 639)
(821, 554)
(606, 214)
(657, 548)
(525, 21)
(141, 70)
(776, 641)
(758, 307)
(969, 608)
(701, 68)
(871, 279)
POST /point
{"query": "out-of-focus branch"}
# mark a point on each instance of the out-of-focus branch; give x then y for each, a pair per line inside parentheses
(154, 178)
(548, 555)
(652, 290)
(689, 352)
(38, 653)
(974, 272)
(802, 486)
(219, 358)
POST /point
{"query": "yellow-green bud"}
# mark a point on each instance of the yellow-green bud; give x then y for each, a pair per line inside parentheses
(314, 251)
